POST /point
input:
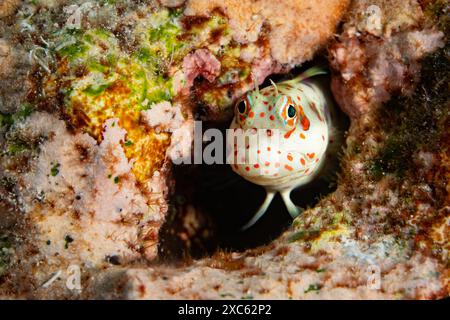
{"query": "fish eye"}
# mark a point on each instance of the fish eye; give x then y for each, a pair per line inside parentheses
(242, 107)
(291, 112)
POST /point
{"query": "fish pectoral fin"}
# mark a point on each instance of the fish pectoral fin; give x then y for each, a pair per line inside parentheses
(293, 210)
(262, 209)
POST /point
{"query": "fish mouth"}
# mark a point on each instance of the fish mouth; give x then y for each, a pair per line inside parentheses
(269, 173)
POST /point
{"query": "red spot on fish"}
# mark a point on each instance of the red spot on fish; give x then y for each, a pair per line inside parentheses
(251, 114)
(288, 134)
(247, 169)
(291, 122)
(272, 117)
(256, 166)
(289, 157)
(267, 164)
(270, 108)
(268, 148)
(303, 119)
(302, 161)
(269, 132)
(262, 114)
(287, 167)
(305, 123)
(302, 136)
(311, 155)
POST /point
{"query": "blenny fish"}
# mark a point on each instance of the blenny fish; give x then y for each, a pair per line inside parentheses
(296, 110)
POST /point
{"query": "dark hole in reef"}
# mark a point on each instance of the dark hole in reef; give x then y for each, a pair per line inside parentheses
(211, 203)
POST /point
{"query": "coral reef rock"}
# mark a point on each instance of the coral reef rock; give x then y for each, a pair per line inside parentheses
(98, 101)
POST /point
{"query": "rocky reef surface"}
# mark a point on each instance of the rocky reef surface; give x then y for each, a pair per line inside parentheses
(97, 99)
